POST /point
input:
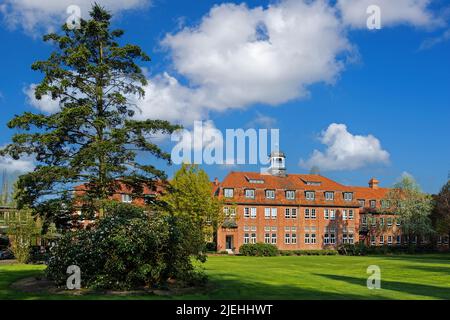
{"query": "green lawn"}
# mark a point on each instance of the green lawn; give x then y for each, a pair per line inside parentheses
(306, 277)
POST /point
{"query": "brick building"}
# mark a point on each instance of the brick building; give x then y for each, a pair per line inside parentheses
(303, 211)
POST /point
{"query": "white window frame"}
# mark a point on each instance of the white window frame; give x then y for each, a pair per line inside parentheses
(293, 213)
(332, 214)
(273, 213)
(250, 193)
(126, 198)
(246, 212)
(246, 238)
(307, 213)
(290, 195)
(287, 213)
(313, 213)
(348, 196)
(351, 214)
(329, 195)
(267, 213)
(310, 195)
(287, 238)
(228, 192)
(253, 212)
(270, 194)
(326, 214)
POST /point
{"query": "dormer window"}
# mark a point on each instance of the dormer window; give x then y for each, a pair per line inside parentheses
(329, 195)
(270, 194)
(228, 193)
(290, 195)
(250, 193)
(310, 195)
(126, 198)
(348, 196)
(373, 204)
(385, 204)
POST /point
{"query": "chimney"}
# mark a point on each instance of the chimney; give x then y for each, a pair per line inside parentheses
(373, 183)
(216, 181)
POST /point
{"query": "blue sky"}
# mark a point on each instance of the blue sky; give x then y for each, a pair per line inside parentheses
(392, 83)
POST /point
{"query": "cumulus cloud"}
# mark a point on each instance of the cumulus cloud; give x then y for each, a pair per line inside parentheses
(345, 151)
(23, 165)
(393, 12)
(45, 104)
(238, 56)
(32, 15)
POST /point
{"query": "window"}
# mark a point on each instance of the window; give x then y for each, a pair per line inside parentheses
(270, 194)
(373, 204)
(253, 239)
(294, 238)
(372, 240)
(310, 195)
(399, 240)
(307, 214)
(329, 195)
(267, 213)
(229, 212)
(250, 193)
(381, 240)
(344, 214)
(374, 221)
(364, 220)
(326, 214)
(246, 238)
(274, 238)
(332, 238)
(287, 213)
(389, 240)
(362, 203)
(246, 212)
(126, 198)
(389, 221)
(290, 195)
(294, 213)
(350, 238)
(228, 193)
(253, 213)
(385, 204)
(274, 213)
(307, 238)
(287, 238)
(267, 238)
(350, 214)
(257, 181)
(344, 238)
(313, 213)
(446, 240)
(397, 222)
(332, 214)
(348, 196)
(313, 238)
(381, 221)
(326, 238)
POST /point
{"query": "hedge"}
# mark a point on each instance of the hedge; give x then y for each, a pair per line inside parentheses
(258, 250)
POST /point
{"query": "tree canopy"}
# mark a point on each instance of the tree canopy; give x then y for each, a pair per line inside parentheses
(94, 138)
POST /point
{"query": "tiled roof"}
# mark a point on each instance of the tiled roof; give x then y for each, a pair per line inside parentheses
(240, 181)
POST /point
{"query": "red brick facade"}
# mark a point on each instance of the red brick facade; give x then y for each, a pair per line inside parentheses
(303, 212)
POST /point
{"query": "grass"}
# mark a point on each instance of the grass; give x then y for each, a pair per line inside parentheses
(292, 277)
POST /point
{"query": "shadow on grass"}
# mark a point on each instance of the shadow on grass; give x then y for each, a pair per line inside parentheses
(411, 288)
(436, 269)
(250, 290)
(428, 258)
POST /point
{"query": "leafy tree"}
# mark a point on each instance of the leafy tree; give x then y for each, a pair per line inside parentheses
(192, 204)
(412, 206)
(441, 212)
(93, 139)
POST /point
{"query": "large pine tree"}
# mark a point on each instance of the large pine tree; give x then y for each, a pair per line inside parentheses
(93, 139)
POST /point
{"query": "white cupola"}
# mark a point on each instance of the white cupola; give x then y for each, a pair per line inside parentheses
(277, 164)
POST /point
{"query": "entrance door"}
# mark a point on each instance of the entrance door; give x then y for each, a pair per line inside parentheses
(229, 242)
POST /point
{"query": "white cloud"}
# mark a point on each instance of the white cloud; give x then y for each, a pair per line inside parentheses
(262, 121)
(32, 15)
(238, 56)
(23, 165)
(45, 104)
(393, 12)
(346, 151)
(431, 42)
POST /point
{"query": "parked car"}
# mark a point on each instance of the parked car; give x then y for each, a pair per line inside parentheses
(6, 254)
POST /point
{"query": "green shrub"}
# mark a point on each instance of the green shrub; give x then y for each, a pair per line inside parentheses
(259, 250)
(124, 250)
(325, 252)
(211, 247)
